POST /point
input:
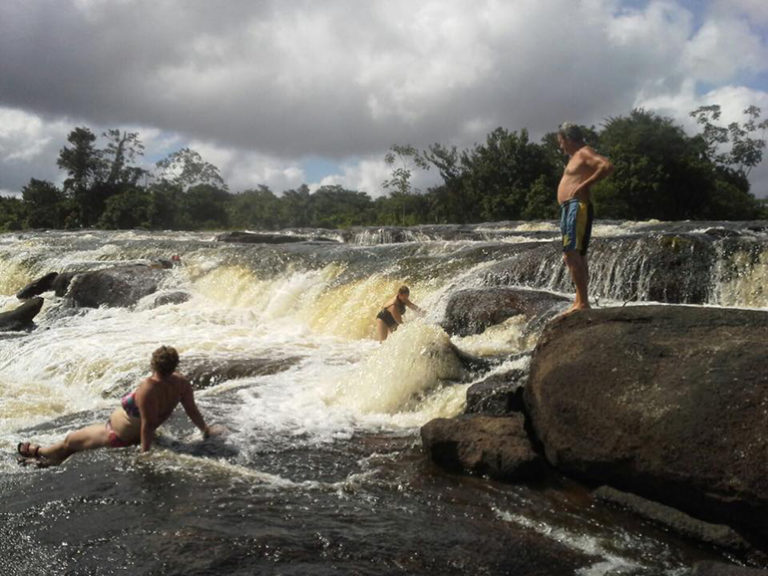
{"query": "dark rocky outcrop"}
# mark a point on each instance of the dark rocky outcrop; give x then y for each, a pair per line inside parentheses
(37, 287)
(720, 569)
(21, 317)
(61, 283)
(487, 445)
(667, 402)
(266, 238)
(497, 395)
(471, 311)
(671, 268)
(121, 286)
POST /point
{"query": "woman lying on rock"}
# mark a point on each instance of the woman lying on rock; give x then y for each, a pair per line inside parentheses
(135, 421)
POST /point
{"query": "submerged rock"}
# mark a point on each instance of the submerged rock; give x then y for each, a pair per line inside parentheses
(205, 371)
(488, 445)
(172, 297)
(683, 524)
(21, 317)
(667, 402)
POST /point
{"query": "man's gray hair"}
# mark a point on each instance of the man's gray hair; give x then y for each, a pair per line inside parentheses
(571, 132)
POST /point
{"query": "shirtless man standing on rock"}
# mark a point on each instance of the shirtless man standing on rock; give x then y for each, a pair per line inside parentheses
(584, 168)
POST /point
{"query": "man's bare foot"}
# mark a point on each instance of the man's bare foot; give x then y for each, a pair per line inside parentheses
(572, 309)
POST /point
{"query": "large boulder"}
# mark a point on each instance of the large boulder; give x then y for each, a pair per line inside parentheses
(21, 317)
(120, 287)
(668, 402)
(471, 311)
(495, 446)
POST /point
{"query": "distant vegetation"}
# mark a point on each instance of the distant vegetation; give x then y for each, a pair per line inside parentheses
(661, 173)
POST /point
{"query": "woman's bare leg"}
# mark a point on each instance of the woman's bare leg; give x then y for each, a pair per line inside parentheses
(88, 438)
(382, 330)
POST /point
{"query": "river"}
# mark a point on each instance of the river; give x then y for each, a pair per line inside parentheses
(321, 471)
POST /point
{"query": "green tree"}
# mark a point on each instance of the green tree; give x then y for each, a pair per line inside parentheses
(449, 202)
(12, 214)
(165, 203)
(45, 205)
(186, 168)
(131, 208)
(404, 159)
(501, 179)
(746, 146)
(335, 207)
(122, 150)
(257, 208)
(204, 207)
(659, 171)
(296, 207)
(81, 160)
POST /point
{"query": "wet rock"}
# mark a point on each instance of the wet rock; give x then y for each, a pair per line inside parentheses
(206, 371)
(681, 523)
(265, 238)
(497, 395)
(720, 569)
(471, 363)
(21, 317)
(37, 287)
(667, 402)
(119, 287)
(177, 297)
(61, 283)
(670, 268)
(472, 311)
(487, 445)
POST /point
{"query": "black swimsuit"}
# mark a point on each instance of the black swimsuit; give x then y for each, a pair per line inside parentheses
(387, 317)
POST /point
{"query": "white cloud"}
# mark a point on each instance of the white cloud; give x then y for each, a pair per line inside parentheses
(723, 49)
(257, 87)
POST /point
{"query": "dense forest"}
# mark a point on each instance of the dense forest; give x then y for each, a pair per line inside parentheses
(661, 173)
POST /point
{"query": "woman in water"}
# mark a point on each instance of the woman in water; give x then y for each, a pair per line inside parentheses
(135, 421)
(391, 315)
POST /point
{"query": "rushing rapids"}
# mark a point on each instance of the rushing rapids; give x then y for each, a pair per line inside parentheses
(322, 470)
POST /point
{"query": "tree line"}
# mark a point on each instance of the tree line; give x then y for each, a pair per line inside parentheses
(660, 172)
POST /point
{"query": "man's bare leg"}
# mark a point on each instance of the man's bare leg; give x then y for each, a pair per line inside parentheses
(577, 265)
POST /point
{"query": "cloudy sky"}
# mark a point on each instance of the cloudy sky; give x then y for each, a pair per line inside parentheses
(286, 92)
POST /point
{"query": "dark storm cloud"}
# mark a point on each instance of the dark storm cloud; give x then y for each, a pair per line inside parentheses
(268, 83)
